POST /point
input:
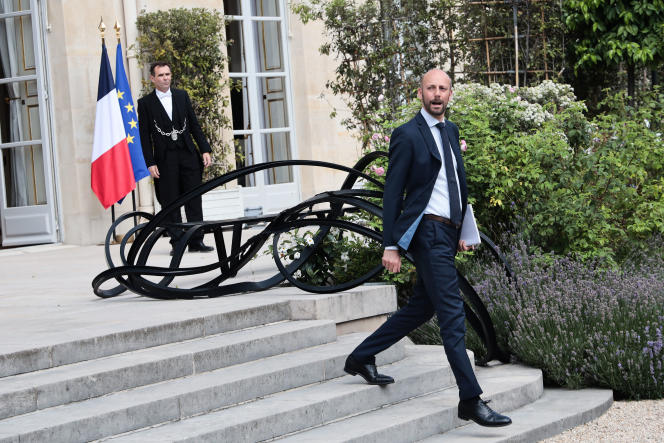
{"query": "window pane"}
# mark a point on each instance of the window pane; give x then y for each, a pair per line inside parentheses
(235, 47)
(19, 112)
(275, 111)
(24, 176)
(240, 105)
(277, 147)
(17, 53)
(270, 52)
(233, 7)
(265, 8)
(244, 156)
(14, 5)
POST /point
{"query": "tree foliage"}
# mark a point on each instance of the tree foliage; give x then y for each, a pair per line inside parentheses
(611, 32)
(382, 46)
(191, 41)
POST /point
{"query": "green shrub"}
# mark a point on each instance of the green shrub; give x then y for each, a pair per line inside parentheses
(339, 257)
(533, 159)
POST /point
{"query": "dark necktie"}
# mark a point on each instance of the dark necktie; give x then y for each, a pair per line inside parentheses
(452, 185)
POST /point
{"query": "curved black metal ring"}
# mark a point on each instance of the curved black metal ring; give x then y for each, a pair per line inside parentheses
(117, 290)
(340, 203)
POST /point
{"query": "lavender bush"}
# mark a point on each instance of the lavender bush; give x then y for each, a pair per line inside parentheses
(582, 323)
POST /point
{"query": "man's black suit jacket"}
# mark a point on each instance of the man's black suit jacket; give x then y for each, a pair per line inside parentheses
(151, 113)
(414, 162)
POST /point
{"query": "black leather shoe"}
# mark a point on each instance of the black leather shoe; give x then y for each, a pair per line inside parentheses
(199, 246)
(367, 371)
(477, 410)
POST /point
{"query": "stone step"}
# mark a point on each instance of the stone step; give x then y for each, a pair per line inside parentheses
(419, 373)
(23, 393)
(507, 386)
(62, 332)
(555, 412)
(183, 397)
(72, 344)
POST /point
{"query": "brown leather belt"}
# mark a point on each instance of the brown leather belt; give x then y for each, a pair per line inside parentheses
(440, 219)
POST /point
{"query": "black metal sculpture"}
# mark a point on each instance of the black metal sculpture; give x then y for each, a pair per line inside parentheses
(319, 214)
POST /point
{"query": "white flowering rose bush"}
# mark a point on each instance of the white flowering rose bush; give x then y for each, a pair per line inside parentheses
(548, 92)
(517, 108)
(571, 183)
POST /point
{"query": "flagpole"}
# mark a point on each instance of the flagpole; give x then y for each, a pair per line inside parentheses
(117, 28)
(102, 31)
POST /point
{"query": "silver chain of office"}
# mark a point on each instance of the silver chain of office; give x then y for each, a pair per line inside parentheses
(174, 132)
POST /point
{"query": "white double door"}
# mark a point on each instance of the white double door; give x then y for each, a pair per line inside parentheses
(27, 209)
(262, 114)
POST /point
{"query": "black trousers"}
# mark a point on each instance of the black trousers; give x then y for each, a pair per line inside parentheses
(437, 291)
(180, 171)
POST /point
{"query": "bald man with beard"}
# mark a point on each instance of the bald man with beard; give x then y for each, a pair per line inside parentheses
(425, 164)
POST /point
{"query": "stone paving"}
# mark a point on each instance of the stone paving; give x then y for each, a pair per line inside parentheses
(46, 295)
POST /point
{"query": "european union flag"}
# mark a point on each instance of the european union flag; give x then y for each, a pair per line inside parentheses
(129, 118)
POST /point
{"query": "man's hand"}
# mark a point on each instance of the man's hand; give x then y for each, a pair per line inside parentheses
(207, 159)
(154, 171)
(462, 246)
(392, 260)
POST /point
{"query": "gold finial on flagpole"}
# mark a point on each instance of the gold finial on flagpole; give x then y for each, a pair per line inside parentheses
(117, 28)
(102, 28)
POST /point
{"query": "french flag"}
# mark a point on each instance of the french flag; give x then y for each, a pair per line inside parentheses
(112, 173)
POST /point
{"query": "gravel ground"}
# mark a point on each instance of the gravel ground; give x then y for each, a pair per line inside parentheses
(625, 421)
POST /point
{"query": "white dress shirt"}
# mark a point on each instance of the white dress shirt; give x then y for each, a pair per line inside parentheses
(439, 203)
(166, 100)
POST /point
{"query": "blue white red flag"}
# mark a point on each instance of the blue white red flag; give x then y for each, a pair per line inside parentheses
(112, 175)
(129, 118)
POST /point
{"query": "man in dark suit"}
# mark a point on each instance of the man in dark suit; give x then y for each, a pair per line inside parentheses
(425, 163)
(167, 124)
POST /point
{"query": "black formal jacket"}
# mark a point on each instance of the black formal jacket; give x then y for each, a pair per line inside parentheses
(151, 113)
(414, 163)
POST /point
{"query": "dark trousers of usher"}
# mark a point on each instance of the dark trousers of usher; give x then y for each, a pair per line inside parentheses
(437, 292)
(180, 172)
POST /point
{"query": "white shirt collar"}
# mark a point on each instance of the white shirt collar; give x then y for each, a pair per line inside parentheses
(430, 119)
(161, 95)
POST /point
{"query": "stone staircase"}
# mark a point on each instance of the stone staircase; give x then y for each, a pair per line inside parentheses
(268, 370)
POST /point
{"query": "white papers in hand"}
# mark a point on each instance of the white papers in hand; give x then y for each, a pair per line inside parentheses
(469, 232)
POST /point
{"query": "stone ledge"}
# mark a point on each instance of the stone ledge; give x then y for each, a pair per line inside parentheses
(360, 303)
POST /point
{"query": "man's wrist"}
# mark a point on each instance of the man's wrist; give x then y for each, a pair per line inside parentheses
(391, 248)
